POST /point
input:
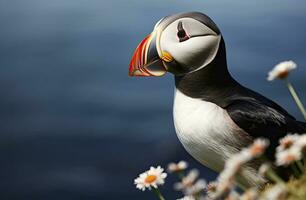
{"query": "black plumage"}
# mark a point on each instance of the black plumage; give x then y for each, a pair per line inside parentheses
(255, 114)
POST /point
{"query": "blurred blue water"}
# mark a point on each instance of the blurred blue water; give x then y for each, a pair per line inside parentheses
(75, 126)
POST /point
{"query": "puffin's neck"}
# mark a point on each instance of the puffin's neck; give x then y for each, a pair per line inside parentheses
(211, 83)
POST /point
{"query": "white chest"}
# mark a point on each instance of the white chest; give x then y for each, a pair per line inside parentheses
(204, 129)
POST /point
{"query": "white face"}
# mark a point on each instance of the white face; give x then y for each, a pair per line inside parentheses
(191, 43)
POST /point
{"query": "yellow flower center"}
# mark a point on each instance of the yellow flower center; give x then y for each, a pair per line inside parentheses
(287, 143)
(187, 183)
(150, 179)
(283, 74)
(289, 158)
(212, 187)
(256, 149)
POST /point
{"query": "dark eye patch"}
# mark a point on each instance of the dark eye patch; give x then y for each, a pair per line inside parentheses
(181, 33)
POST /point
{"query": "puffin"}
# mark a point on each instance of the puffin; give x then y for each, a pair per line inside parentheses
(214, 116)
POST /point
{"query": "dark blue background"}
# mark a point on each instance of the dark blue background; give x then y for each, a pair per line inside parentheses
(75, 126)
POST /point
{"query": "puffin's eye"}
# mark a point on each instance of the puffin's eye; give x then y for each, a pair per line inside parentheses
(181, 33)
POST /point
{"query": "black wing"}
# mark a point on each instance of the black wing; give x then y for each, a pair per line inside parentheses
(261, 120)
(264, 119)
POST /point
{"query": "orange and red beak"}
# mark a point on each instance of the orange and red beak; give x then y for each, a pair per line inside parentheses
(145, 60)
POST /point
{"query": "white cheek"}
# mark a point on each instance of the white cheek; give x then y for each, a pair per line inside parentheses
(195, 53)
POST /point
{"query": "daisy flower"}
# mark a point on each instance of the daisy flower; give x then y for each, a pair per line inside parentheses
(286, 142)
(217, 190)
(177, 167)
(187, 181)
(224, 187)
(233, 165)
(250, 194)
(258, 147)
(233, 195)
(277, 192)
(264, 169)
(301, 142)
(197, 188)
(228, 174)
(240, 158)
(187, 198)
(281, 70)
(220, 193)
(287, 157)
(150, 178)
(211, 188)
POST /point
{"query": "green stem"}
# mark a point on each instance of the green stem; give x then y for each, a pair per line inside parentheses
(304, 161)
(296, 98)
(242, 187)
(181, 175)
(300, 166)
(158, 193)
(295, 170)
(274, 177)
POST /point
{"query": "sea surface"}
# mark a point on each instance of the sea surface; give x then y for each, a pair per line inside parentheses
(73, 125)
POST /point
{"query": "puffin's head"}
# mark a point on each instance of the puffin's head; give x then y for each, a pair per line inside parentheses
(179, 44)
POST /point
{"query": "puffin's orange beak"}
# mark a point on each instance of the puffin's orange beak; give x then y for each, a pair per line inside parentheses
(145, 60)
